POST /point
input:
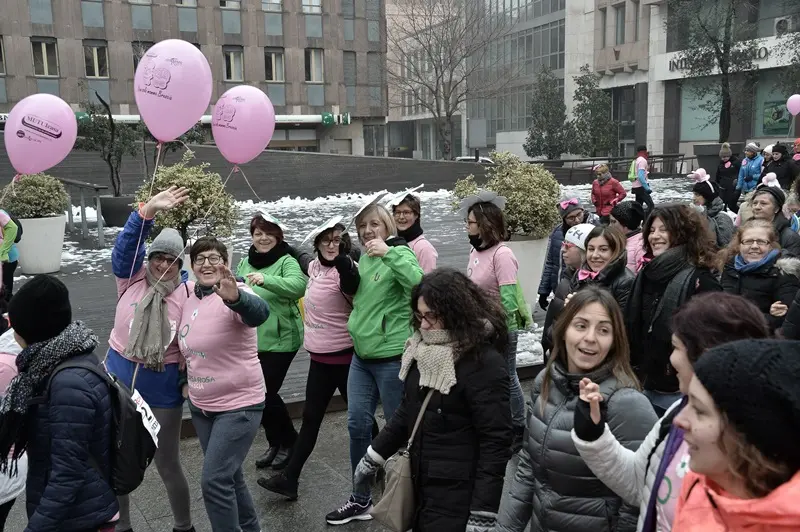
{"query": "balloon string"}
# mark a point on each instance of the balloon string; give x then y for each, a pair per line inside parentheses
(10, 187)
(149, 195)
(248, 183)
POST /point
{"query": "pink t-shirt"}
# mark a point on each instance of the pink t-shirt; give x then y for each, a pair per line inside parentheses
(670, 489)
(123, 319)
(641, 164)
(492, 268)
(425, 252)
(221, 355)
(326, 311)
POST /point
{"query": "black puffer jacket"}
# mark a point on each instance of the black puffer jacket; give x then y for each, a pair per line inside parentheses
(460, 453)
(788, 238)
(728, 173)
(553, 487)
(616, 277)
(784, 169)
(778, 280)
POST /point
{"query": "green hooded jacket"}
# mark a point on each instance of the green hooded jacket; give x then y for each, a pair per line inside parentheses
(284, 284)
(380, 322)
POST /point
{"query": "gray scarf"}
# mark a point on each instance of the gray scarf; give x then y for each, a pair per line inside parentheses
(433, 350)
(151, 331)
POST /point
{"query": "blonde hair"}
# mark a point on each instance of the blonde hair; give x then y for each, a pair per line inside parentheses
(382, 214)
(733, 248)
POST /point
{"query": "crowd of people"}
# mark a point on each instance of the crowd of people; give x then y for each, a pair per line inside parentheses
(668, 400)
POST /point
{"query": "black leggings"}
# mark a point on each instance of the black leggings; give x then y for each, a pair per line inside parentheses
(323, 381)
(276, 420)
(8, 279)
(643, 198)
(5, 509)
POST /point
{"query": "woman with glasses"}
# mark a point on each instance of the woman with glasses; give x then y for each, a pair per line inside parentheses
(275, 276)
(767, 204)
(143, 347)
(407, 216)
(752, 268)
(225, 387)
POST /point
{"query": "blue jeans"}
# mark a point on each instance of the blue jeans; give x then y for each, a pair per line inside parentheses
(517, 398)
(226, 438)
(366, 383)
(662, 401)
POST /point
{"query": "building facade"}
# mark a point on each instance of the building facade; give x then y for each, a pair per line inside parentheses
(309, 56)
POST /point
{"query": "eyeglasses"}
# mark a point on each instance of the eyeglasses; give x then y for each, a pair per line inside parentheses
(567, 245)
(757, 241)
(429, 316)
(470, 222)
(398, 213)
(160, 258)
(575, 217)
(211, 259)
(336, 241)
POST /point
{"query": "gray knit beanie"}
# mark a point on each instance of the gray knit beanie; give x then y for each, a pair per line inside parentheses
(725, 151)
(170, 242)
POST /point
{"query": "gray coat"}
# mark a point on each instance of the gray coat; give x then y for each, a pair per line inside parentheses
(720, 223)
(553, 487)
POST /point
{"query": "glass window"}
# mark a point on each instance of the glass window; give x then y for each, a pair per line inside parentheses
(45, 57)
(373, 31)
(272, 5)
(146, 2)
(619, 14)
(636, 13)
(312, 6)
(230, 4)
(2, 57)
(95, 55)
(315, 71)
(234, 63)
(273, 64)
(92, 14)
(41, 11)
(603, 27)
(190, 3)
(273, 23)
(348, 8)
(139, 49)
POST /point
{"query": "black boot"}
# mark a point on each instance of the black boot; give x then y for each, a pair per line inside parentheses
(280, 484)
(267, 459)
(282, 458)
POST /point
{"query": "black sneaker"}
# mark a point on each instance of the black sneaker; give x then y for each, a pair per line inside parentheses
(351, 511)
(282, 458)
(280, 484)
(266, 459)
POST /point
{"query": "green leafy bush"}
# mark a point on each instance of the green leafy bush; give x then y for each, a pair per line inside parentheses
(530, 190)
(35, 196)
(206, 191)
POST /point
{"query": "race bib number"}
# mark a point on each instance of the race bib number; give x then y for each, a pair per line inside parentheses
(149, 420)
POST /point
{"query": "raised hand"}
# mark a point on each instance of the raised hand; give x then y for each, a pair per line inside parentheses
(227, 288)
(166, 200)
(376, 247)
(590, 393)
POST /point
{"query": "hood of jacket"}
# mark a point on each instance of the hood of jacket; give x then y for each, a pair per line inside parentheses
(715, 207)
(8, 344)
(787, 265)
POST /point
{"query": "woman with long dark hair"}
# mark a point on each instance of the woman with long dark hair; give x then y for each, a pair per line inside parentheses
(553, 487)
(650, 477)
(678, 262)
(460, 452)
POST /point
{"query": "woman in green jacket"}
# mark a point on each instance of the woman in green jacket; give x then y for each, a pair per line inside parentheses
(379, 324)
(276, 277)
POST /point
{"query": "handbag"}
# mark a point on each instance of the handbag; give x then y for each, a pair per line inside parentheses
(396, 508)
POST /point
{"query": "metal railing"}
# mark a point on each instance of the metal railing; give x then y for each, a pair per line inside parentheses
(82, 187)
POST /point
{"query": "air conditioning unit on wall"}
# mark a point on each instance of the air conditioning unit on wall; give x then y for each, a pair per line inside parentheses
(787, 24)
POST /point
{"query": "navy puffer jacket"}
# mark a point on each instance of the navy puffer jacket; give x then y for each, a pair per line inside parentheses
(64, 492)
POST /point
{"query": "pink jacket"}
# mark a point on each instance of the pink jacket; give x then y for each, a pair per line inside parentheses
(221, 355)
(635, 251)
(606, 195)
(326, 311)
(425, 252)
(128, 299)
(9, 349)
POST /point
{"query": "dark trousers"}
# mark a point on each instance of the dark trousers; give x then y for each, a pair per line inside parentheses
(323, 381)
(5, 509)
(275, 420)
(8, 279)
(643, 198)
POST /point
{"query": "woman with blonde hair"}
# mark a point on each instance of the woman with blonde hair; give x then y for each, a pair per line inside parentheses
(553, 487)
(379, 324)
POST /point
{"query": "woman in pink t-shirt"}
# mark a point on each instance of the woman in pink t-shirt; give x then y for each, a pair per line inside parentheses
(406, 216)
(225, 384)
(493, 267)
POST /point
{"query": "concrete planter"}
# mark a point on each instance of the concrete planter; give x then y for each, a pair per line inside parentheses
(116, 210)
(530, 255)
(41, 244)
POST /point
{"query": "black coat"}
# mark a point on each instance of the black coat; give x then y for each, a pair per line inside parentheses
(791, 324)
(460, 453)
(784, 169)
(776, 281)
(788, 238)
(727, 176)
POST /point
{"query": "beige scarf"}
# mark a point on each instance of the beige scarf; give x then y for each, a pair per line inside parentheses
(151, 331)
(436, 361)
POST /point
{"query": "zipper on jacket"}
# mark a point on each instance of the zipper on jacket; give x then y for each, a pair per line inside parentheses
(544, 447)
(656, 301)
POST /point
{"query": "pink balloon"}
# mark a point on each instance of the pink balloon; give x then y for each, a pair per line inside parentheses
(172, 86)
(40, 132)
(243, 123)
(793, 104)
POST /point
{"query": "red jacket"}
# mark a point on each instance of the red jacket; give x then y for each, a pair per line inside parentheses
(605, 196)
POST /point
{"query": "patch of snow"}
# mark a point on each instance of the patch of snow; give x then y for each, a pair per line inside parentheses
(91, 214)
(529, 347)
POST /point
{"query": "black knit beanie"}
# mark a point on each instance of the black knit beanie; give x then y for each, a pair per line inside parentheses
(706, 190)
(629, 213)
(40, 309)
(754, 383)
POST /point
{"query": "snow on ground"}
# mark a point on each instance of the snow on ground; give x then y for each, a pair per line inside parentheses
(529, 347)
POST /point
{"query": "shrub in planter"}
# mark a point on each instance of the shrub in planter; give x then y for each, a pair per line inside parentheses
(39, 200)
(206, 191)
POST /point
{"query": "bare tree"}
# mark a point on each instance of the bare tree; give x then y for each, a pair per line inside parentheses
(443, 53)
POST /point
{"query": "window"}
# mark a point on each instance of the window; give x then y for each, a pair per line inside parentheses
(95, 55)
(139, 49)
(234, 63)
(45, 57)
(230, 4)
(315, 71)
(636, 13)
(273, 64)
(2, 58)
(146, 2)
(272, 5)
(619, 13)
(312, 6)
(187, 3)
(603, 27)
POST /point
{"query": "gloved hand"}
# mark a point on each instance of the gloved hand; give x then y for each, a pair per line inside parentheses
(367, 468)
(481, 521)
(543, 301)
(342, 263)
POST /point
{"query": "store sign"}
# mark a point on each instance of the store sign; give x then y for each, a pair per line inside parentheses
(759, 54)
